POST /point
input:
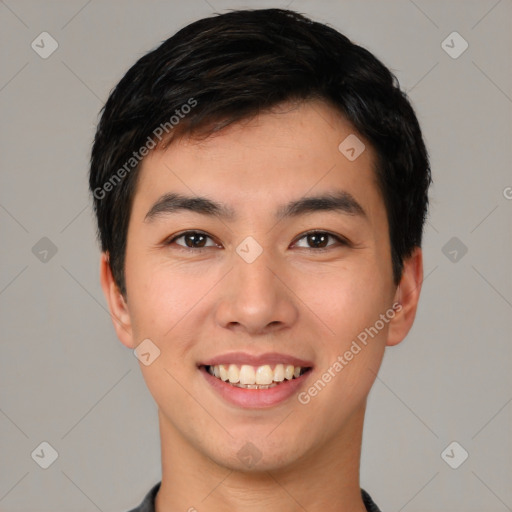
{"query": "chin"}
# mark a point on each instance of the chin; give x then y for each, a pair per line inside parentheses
(254, 454)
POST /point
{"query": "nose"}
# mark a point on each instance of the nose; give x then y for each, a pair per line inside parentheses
(257, 297)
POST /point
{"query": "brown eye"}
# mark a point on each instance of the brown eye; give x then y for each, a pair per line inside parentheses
(192, 240)
(318, 240)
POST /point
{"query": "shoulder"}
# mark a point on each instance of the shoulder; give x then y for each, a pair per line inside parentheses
(368, 502)
(148, 503)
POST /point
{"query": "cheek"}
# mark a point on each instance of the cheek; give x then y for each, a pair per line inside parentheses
(347, 302)
(352, 348)
(154, 292)
(163, 302)
(359, 343)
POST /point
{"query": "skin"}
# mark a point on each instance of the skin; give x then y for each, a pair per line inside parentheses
(291, 299)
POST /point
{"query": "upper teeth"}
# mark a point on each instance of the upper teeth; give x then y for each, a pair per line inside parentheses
(247, 374)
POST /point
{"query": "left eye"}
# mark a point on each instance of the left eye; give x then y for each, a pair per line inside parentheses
(197, 239)
(317, 238)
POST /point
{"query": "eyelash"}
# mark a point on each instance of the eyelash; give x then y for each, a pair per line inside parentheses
(342, 241)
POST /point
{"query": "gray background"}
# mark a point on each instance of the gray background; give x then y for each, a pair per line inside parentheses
(67, 380)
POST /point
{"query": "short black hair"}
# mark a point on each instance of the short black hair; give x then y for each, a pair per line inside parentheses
(233, 66)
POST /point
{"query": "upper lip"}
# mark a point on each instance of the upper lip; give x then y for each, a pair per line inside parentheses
(256, 359)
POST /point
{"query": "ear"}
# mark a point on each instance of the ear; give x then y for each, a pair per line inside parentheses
(407, 296)
(117, 305)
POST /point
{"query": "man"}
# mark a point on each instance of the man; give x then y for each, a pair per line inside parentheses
(261, 186)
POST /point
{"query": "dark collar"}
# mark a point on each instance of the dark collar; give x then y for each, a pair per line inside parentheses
(148, 504)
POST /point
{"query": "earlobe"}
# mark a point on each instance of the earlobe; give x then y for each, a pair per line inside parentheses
(406, 298)
(117, 305)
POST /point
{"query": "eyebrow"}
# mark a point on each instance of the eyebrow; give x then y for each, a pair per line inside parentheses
(339, 201)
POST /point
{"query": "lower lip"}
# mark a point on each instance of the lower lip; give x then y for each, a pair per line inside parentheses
(255, 398)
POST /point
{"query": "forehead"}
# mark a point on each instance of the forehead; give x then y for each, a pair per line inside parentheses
(295, 151)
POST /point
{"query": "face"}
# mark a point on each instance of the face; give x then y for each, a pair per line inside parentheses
(258, 289)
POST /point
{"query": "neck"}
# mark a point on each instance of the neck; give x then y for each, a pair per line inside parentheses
(326, 479)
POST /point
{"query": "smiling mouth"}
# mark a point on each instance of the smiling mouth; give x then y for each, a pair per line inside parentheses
(256, 377)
